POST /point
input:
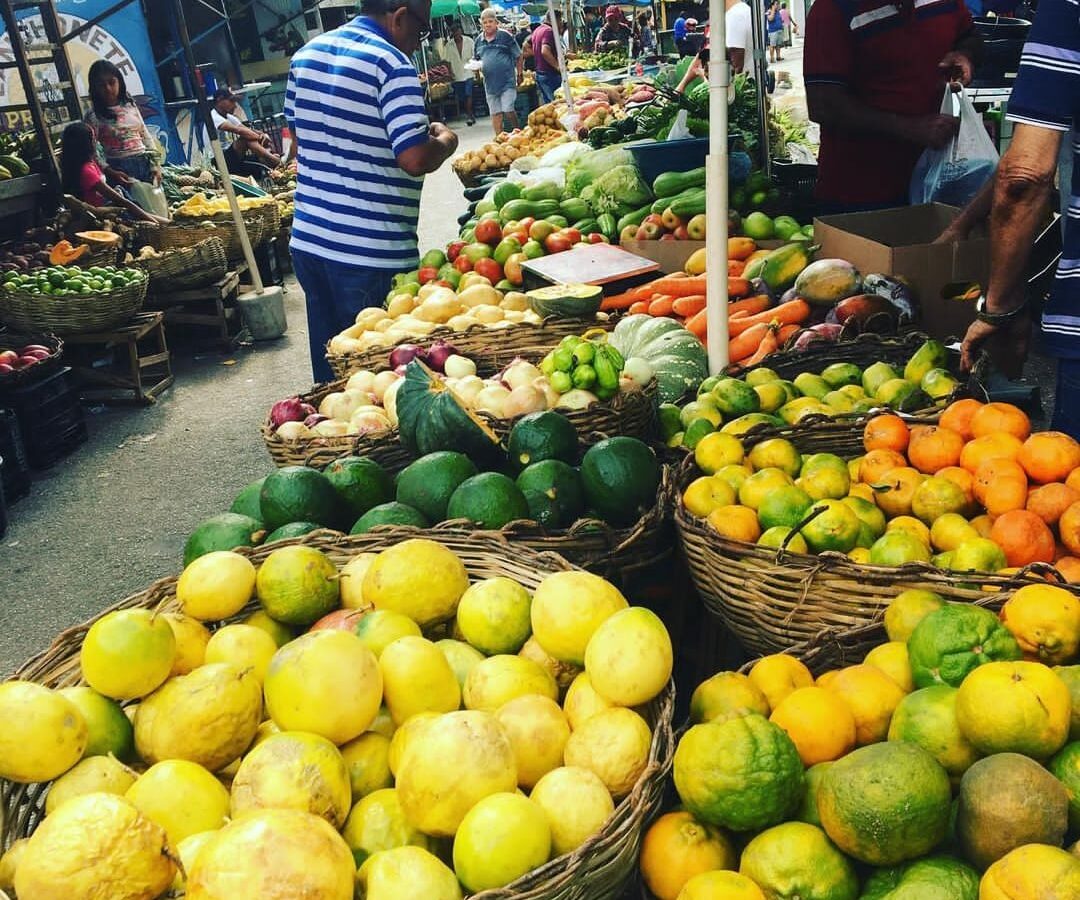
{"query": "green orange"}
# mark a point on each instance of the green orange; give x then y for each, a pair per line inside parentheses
(836, 527)
(798, 860)
(927, 717)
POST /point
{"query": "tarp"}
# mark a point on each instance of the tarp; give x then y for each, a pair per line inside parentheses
(454, 8)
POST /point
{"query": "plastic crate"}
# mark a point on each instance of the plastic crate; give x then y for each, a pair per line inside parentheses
(49, 416)
(797, 182)
(15, 476)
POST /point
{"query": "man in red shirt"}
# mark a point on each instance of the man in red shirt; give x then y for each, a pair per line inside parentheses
(548, 77)
(875, 72)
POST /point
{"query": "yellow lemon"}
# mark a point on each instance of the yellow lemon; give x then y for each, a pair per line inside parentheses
(499, 679)
(421, 578)
(368, 761)
(403, 871)
(416, 677)
(95, 774)
(380, 628)
(216, 585)
(191, 638)
(493, 616)
(615, 745)
(538, 732)
(582, 701)
(352, 581)
(377, 823)
(181, 797)
(576, 803)
(43, 736)
(567, 608)
(907, 610)
(127, 653)
(629, 657)
(500, 839)
(243, 647)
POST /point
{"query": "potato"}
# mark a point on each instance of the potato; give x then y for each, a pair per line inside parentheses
(488, 315)
(400, 304)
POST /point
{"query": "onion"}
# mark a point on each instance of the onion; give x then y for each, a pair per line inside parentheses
(577, 399)
(360, 381)
(458, 366)
(438, 353)
(550, 394)
(381, 382)
(292, 431)
(638, 372)
(308, 409)
(492, 399)
(400, 370)
(524, 399)
(314, 419)
(389, 400)
(403, 354)
(289, 410)
(519, 373)
(824, 333)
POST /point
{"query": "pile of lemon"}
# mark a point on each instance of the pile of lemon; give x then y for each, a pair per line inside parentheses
(248, 762)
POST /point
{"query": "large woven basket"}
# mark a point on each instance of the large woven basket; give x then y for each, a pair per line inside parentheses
(598, 870)
(490, 348)
(187, 233)
(773, 599)
(73, 314)
(186, 267)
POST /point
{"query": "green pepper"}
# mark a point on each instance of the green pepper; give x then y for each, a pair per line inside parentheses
(584, 353)
(584, 377)
(607, 376)
(561, 381)
(564, 359)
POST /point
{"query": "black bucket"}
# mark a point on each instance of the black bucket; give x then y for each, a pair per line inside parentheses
(1003, 43)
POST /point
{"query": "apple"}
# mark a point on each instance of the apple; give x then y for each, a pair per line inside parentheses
(453, 250)
(670, 220)
(339, 619)
(8, 357)
(463, 264)
(681, 234)
(696, 227)
(649, 231)
(667, 237)
(629, 233)
(490, 269)
(595, 237)
(655, 218)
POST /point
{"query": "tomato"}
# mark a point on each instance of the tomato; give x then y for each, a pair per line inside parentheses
(572, 235)
(490, 269)
(463, 264)
(595, 237)
(526, 224)
(510, 227)
(427, 273)
(488, 232)
(453, 250)
(557, 242)
(512, 268)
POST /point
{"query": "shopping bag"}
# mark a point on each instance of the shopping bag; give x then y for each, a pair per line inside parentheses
(956, 173)
(150, 197)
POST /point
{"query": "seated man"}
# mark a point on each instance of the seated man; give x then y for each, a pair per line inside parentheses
(247, 152)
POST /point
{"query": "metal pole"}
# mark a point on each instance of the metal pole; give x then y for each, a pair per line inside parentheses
(562, 57)
(215, 146)
(716, 192)
(761, 68)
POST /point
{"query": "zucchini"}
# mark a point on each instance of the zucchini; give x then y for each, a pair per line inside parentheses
(542, 208)
(586, 226)
(663, 203)
(605, 224)
(546, 190)
(668, 184)
(574, 208)
(633, 218)
(689, 204)
(557, 221)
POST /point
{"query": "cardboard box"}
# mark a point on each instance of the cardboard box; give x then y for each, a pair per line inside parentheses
(900, 242)
(671, 256)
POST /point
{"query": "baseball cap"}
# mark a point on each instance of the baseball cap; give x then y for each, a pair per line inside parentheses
(612, 12)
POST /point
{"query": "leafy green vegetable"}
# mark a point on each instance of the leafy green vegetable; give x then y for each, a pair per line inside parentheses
(621, 186)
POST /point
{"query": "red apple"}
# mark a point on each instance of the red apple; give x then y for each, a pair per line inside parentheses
(340, 619)
(572, 235)
(649, 231)
(595, 237)
(427, 273)
(681, 233)
(557, 242)
(488, 231)
(453, 250)
(667, 237)
(490, 269)
(8, 356)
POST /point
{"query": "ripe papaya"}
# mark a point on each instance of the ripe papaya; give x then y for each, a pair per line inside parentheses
(827, 281)
(784, 264)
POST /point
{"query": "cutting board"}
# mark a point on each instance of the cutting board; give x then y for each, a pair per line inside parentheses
(601, 264)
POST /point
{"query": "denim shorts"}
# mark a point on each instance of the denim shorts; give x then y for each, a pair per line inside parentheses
(501, 102)
(463, 89)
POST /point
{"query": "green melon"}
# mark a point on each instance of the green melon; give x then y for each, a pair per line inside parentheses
(300, 494)
(554, 493)
(542, 435)
(225, 531)
(291, 530)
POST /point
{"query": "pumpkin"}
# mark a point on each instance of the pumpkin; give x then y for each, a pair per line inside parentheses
(430, 417)
(677, 357)
(64, 253)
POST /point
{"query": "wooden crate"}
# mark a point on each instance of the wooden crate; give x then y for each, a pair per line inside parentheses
(137, 364)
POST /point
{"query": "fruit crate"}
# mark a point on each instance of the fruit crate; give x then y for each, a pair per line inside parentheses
(15, 474)
(49, 417)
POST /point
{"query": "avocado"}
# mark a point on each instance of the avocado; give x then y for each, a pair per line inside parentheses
(540, 436)
(427, 484)
(224, 531)
(488, 500)
(361, 483)
(291, 530)
(392, 513)
(553, 492)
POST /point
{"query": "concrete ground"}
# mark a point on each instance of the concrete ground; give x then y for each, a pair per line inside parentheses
(113, 516)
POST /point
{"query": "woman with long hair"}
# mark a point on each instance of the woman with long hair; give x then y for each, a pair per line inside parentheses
(130, 151)
(81, 176)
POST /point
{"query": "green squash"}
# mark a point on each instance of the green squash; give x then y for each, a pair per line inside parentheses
(431, 418)
(677, 357)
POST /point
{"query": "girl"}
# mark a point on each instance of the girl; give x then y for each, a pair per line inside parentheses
(83, 178)
(130, 152)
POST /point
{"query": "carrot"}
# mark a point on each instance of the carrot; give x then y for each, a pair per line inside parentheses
(738, 287)
(747, 341)
(618, 301)
(768, 345)
(661, 306)
(786, 331)
(678, 285)
(689, 306)
(793, 311)
(639, 306)
(735, 268)
(697, 324)
(750, 306)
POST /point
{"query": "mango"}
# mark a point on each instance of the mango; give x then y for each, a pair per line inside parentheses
(931, 355)
(876, 375)
(810, 385)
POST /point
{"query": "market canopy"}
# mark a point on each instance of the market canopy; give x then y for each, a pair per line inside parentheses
(454, 8)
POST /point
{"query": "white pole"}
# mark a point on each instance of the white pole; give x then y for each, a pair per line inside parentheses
(716, 192)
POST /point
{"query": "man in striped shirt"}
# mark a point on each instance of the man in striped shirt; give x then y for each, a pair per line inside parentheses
(1044, 105)
(356, 108)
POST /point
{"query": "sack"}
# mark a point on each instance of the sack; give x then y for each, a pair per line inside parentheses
(150, 197)
(956, 173)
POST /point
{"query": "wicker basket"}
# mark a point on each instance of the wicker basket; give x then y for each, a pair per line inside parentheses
(73, 314)
(186, 267)
(773, 599)
(102, 255)
(598, 870)
(188, 233)
(9, 340)
(490, 348)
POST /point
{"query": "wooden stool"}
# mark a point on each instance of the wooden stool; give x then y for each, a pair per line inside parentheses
(213, 306)
(139, 378)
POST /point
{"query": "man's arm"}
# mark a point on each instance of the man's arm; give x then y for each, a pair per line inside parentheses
(977, 210)
(547, 51)
(834, 106)
(737, 57)
(422, 159)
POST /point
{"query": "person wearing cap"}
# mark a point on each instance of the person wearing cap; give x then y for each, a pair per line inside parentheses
(238, 141)
(678, 32)
(694, 40)
(545, 54)
(356, 107)
(456, 52)
(501, 63)
(615, 34)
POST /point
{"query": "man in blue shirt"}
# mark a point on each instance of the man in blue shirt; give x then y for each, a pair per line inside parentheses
(1045, 104)
(678, 32)
(500, 57)
(356, 108)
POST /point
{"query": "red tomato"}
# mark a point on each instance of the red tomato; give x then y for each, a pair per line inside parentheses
(427, 273)
(595, 237)
(572, 235)
(490, 269)
(557, 242)
(525, 224)
(510, 228)
(462, 263)
(522, 237)
(488, 232)
(453, 250)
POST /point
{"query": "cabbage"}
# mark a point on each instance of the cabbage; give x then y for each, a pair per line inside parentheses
(618, 187)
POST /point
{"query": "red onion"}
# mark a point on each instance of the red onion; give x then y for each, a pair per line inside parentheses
(404, 354)
(308, 409)
(826, 332)
(314, 419)
(289, 410)
(400, 370)
(437, 353)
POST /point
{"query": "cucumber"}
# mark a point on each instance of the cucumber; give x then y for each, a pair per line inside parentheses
(586, 226)
(633, 218)
(689, 204)
(669, 184)
(574, 208)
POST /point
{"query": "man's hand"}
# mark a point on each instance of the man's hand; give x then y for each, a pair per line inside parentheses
(934, 131)
(439, 132)
(956, 66)
(1009, 353)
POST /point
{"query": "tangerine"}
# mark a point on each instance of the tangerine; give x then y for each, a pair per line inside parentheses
(1073, 480)
(1049, 501)
(983, 525)
(990, 446)
(818, 722)
(1049, 456)
(900, 485)
(1069, 567)
(963, 479)
(935, 497)
(1069, 528)
(1001, 485)
(877, 462)
(888, 432)
(739, 523)
(1024, 537)
(911, 525)
(957, 417)
(1045, 620)
(931, 448)
(871, 695)
(1000, 418)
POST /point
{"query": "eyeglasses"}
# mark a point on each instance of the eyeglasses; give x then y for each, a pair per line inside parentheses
(423, 26)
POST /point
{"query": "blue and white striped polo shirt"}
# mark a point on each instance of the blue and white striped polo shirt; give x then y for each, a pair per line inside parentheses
(354, 102)
(1047, 95)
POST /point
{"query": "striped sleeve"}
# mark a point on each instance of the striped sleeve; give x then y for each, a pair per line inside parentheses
(829, 50)
(1049, 78)
(290, 99)
(402, 101)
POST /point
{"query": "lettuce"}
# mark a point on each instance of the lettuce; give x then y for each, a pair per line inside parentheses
(621, 186)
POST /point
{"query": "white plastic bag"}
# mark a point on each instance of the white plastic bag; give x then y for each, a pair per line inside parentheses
(679, 129)
(150, 197)
(957, 172)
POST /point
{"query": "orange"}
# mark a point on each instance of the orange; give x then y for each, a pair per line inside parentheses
(739, 523)
(1049, 501)
(877, 462)
(900, 484)
(990, 446)
(1001, 485)
(1045, 620)
(886, 432)
(818, 722)
(1000, 418)
(676, 848)
(1069, 567)
(1024, 537)
(1049, 456)
(1032, 870)
(957, 417)
(871, 695)
(854, 469)
(864, 492)
(963, 479)
(931, 449)
(1069, 528)
(935, 497)
(983, 525)
(1073, 480)
(892, 658)
(721, 885)
(778, 675)
(912, 526)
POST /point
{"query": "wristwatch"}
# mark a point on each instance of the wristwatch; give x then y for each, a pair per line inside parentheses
(991, 318)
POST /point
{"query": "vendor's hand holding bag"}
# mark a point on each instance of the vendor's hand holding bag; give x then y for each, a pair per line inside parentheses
(955, 173)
